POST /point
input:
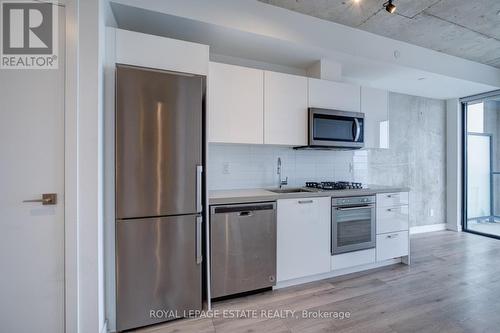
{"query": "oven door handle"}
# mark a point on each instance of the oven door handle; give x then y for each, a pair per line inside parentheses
(355, 208)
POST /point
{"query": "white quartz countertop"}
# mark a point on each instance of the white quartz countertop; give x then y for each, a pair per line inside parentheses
(222, 197)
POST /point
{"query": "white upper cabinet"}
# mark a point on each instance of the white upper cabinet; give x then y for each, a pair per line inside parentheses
(138, 49)
(235, 104)
(374, 104)
(285, 109)
(334, 95)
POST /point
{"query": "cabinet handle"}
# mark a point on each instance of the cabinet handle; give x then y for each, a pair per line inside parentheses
(392, 209)
(392, 236)
(392, 195)
(305, 201)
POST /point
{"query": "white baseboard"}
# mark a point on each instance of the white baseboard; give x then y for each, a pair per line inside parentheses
(427, 228)
(339, 272)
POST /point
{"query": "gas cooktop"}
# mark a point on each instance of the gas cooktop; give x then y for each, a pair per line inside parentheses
(329, 186)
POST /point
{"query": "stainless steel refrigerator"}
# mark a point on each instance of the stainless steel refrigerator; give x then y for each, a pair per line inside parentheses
(159, 194)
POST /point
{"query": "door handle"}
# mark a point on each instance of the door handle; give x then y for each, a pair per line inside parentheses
(199, 171)
(199, 256)
(358, 130)
(47, 199)
(354, 208)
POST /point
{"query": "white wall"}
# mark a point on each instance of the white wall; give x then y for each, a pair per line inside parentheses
(453, 165)
(90, 167)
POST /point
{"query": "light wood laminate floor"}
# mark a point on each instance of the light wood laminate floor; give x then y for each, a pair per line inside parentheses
(453, 285)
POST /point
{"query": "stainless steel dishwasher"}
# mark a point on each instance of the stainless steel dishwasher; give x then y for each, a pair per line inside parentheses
(242, 247)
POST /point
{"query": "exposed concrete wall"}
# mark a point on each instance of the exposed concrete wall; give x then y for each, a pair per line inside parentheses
(417, 156)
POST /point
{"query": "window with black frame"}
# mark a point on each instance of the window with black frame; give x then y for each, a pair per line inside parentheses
(482, 166)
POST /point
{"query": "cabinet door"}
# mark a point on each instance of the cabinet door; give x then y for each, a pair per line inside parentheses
(334, 95)
(392, 245)
(392, 219)
(374, 104)
(285, 109)
(303, 237)
(236, 104)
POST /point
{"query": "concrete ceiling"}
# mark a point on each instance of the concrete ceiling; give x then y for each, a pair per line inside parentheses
(255, 34)
(469, 29)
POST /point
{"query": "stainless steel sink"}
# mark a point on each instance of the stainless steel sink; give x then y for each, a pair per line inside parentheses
(290, 190)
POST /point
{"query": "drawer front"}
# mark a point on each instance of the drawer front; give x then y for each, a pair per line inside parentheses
(392, 219)
(392, 199)
(392, 245)
(351, 259)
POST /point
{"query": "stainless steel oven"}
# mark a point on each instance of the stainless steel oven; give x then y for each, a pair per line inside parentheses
(353, 224)
(335, 129)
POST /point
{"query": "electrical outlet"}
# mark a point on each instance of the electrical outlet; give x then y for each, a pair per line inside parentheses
(226, 168)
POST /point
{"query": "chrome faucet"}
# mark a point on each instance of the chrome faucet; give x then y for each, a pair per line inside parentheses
(281, 182)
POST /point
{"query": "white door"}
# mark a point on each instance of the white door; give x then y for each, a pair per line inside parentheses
(32, 163)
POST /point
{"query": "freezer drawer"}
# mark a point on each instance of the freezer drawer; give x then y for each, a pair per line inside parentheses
(243, 248)
(157, 268)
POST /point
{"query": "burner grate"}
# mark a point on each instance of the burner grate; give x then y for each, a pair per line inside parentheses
(334, 185)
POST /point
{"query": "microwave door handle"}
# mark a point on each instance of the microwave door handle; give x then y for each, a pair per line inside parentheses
(358, 130)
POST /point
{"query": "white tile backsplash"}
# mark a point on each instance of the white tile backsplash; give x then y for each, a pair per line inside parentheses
(255, 166)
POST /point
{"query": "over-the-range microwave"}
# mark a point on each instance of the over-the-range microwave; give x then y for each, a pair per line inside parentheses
(335, 129)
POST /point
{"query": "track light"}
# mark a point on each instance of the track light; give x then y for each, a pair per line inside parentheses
(390, 7)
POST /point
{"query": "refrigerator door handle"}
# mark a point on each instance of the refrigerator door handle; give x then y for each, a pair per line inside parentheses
(199, 180)
(199, 256)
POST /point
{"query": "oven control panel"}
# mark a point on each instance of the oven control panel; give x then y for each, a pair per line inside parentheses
(353, 201)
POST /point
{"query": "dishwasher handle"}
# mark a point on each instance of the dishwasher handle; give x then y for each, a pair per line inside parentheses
(245, 214)
(243, 210)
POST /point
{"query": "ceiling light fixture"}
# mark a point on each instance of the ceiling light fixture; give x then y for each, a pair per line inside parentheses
(390, 7)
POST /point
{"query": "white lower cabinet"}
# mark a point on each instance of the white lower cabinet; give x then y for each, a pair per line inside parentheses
(392, 245)
(392, 225)
(390, 219)
(352, 259)
(303, 237)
